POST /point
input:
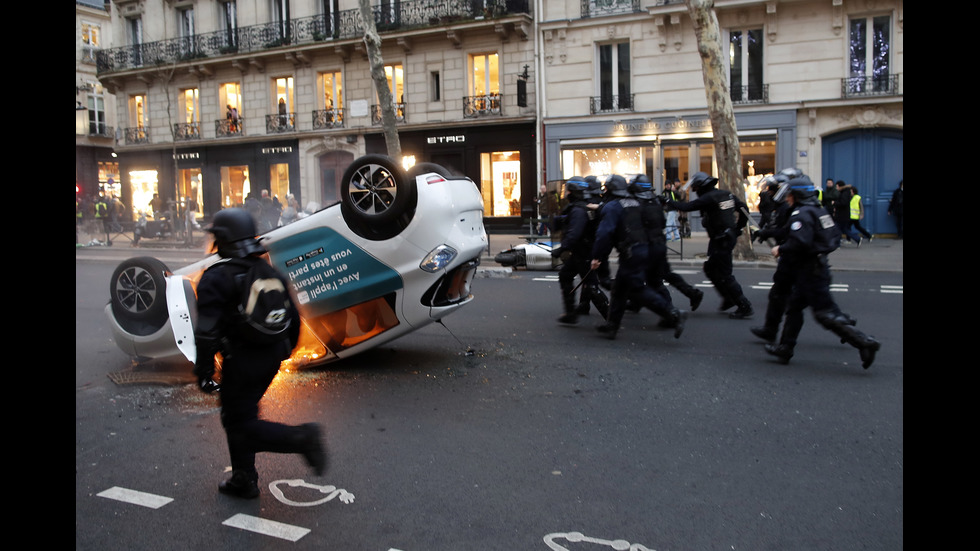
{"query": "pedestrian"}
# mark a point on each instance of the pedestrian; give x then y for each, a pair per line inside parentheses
(621, 225)
(116, 212)
(547, 209)
(829, 195)
(766, 203)
(577, 236)
(670, 195)
(102, 215)
(724, 216)
(842, 212)
(156, 206)
(290, 211)
(811, 237)
(857, 214)
(895, 208)
(248, 365)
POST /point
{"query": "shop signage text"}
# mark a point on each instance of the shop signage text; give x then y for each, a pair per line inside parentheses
(184, 156)
(275, 150)
(657, 126)
(445, 139)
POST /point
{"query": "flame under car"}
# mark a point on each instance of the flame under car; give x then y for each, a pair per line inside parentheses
(398, 252)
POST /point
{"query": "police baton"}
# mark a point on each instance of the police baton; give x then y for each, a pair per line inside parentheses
(587, 274)
(753, 227)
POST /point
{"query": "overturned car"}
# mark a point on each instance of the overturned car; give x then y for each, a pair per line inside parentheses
(399, 251)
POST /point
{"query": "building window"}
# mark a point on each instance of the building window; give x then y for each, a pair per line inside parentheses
(96, 112)
(190, 191)
(230, 95)
(109, 184)
(745, 65)
(500, 183)
(332, 115)
(870, 53)
(190, 105)
(484, 84)
(435, 86)
(138, 131)
(280, 10)
(135, 32)
(330, 15)
(613, 78)
(279, 181)
(235, 185)
(396, 82)
(91, 35)
(284, 117)
(229, 24)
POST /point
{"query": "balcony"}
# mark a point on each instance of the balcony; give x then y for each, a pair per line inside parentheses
(858, 87)
(224, 128)
(138, 135)
(599, 8)
(280, 123)
(325, 119)
(184, 131)
(610, 104)
(100, 130)
(753, 93)
(346, 24)
(376, 113)
(475, 107)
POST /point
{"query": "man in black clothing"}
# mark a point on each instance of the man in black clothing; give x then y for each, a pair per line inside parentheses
(577, 235)
(248, 367)
(723, 216)
(811, 236)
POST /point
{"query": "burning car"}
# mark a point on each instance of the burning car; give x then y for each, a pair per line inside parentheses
(397, 252)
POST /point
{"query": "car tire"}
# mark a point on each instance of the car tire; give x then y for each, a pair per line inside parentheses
(424, 168)
(377, 197)
(138, 294)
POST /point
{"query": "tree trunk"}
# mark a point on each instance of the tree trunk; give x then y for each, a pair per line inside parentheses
(720, 111)
(387, 104)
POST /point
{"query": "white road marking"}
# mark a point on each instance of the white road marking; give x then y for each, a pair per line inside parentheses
(266, 527)
(896, 289)
(136, 498)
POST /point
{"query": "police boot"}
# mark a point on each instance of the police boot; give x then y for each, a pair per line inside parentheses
(765, 333)
(680, 319)
(695, 296)
(571, 316)
(608, 329)
(311, 446)
(242, 484)
(782, 351)
(842, 325)
(744, 309)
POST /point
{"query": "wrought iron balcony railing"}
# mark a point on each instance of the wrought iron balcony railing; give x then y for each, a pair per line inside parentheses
(227, 127)
(138, 135)
(598, 8)
(279, 123)
(610, 104)
(101, 130)
(885, 85)
(187, 131)
(376, 113)
(753, 93)
(481, 106)
(344, 24)
(328, 118)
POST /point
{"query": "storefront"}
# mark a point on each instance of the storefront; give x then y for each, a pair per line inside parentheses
(499, 159)
(669, 148)
(207, 179)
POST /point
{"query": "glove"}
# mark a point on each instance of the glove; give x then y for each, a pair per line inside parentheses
(204, 371)
(556, 252)
(207, 385)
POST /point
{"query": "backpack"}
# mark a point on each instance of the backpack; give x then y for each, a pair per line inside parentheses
(827, 235)
(263, 309)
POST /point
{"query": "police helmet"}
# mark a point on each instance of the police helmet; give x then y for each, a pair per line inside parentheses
(616, 186)
(701, 182)
(576, 189)
(234, 233)
(640, 187)
(801, 187)
(595, 186)
(791, 173)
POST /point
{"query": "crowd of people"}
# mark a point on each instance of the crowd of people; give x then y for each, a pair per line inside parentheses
(797, 222)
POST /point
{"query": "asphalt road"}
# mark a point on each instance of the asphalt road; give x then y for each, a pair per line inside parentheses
(547, 437)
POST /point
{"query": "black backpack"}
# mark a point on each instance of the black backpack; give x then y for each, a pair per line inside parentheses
(263, 310)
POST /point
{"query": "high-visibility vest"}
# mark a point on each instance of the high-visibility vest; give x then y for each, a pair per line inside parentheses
(855, 207)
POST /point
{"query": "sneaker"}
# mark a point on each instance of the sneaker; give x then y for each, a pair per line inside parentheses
(313, 450)
(241, 484)
(782, 351)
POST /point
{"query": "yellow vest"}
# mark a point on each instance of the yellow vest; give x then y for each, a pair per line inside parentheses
(855, 207)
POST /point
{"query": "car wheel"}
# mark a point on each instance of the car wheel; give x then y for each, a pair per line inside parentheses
(138, 293)
(423, 168)
(375, 189)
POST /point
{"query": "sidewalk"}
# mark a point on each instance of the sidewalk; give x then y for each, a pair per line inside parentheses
(884, 254)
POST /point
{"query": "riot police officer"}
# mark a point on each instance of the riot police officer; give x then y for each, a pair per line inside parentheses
(782, 279)
(248, 368)
(576, 245)
(621, 225)
(723, 216)
(811, 236)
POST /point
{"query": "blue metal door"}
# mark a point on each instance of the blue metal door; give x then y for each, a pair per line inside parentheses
(872, 161)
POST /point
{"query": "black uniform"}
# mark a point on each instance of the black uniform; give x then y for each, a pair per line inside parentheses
(621, 225)
(782, 278)
(723, 218)
(578, 234)
(811, 235)
(248, 368)
(659, 270)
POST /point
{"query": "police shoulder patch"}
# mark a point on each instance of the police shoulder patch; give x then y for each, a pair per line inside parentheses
(796, 225)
